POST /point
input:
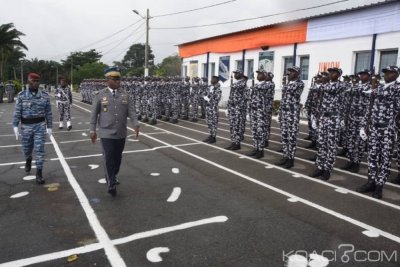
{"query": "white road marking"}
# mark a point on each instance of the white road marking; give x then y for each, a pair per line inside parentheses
(370, 233)
(120, 241)
(84, 134)
(102, 181)
(75, 141)
(341, 190)
(29, 177)
(176, 192)
(293, 199)
(101, 235)
(153, 255)
(93, 166)
(269, 166)
(297, 175)
(20, 194)
(47, 143)
(22, 167)
(175, 170)
(154, 174)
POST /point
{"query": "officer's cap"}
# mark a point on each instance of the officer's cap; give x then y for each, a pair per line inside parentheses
(338, 70)
(391, 69)
(33, 76)
(215, 76)
(364, 71)
(238, 71)
(294, 68)
(112, 71)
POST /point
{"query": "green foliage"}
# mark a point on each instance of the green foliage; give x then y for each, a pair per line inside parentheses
(93, 70)
(80, 58)
(170, 66)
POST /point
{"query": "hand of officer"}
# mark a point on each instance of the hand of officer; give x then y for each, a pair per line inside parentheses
(16, 132)
(363, 135)
(342, 124)
(93, 136)
(49, 131)
(136, 131)
(206, 98)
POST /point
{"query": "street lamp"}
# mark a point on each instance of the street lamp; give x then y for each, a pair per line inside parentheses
(146, 49)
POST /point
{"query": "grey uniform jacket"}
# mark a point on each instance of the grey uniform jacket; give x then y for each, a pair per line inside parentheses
(111, 113)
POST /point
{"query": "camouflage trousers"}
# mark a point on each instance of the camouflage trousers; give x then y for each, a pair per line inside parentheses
(258, 128)
(356, 146)
(33, 137)
(235, 114)
(289, 131)
(64, 109)
(212, 115)
(328, 137)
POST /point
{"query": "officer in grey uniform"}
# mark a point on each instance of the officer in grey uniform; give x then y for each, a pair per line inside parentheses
(33, 110)
(110, 110)
(10, 91)
(1, 91)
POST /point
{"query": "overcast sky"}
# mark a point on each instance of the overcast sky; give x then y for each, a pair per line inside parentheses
(54, 28)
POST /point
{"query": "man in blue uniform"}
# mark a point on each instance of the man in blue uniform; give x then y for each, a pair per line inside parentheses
(33, 110)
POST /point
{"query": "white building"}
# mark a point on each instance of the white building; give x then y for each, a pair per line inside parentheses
(365, 37)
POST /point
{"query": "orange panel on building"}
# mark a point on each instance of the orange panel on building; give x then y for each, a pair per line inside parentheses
(282, 34)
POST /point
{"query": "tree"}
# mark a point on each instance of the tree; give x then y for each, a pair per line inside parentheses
(170, 66)
(9, 41)
(133, 61)
(93, 70)
(47, 69)
(80, 58)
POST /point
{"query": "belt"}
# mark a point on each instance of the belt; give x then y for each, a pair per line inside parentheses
(330, 114)
(381, 125)
(32, 120)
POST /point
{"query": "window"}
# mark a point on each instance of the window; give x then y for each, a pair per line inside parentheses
(185, 70)
(204, 70)
(304, 63)
(287, 63)
(238, 65)
(363, 60)
(250, 68)
(212, 68)
(388, 58)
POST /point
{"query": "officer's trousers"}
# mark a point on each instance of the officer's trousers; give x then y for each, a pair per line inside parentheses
(112, 153)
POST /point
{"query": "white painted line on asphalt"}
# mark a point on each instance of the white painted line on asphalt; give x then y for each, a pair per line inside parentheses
(269, 166)
(370, 233)
(293, 199)
(290, 195)
(71, 131)
(93, 166)
(102, 181)
(23, 167)
(20, 194)
(153, 255)
(75, 141)
(29, 177)
(47, 143)
(175, 170)
(84, 134)
(297, 175)
(343, 191)
(154, 174)
(176, 192)
(101, 235)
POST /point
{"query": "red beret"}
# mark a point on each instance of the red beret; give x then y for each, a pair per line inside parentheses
(33, 76)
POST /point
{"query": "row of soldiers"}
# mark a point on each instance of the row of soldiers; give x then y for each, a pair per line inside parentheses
(7, 90)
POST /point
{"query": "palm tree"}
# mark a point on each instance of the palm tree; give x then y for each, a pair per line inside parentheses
(9, 41)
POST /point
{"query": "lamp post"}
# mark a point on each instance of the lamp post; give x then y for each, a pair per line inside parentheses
(146, 48)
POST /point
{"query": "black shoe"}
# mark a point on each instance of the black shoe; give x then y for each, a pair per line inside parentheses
(235, 147)
(282, 162)
(145, 119)
(212, 140)
(153, 122)
(343, 152)
(60, 128)
(174, 121)
(112, 190)
(396, 180)
(252, 153)
(326, 175)
(39, 177)
(313, 158)
(203, 116)
(280, 150)
(355, 168)
(259, 154)
(194, 120)
(317, 173)
(348, 166)
(139, 117)
(313, 144)
(289, 164)
(185, 118)
(28, 164)
(69, 128)
(242, 138)
(378, 192)
(207, 139)
(266, 144)
(159, 117)
(308, 137)
(230, 146)
(165, 119)
(368, 187)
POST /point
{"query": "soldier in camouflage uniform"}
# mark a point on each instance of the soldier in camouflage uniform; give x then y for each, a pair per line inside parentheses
(195, 95)
(10, 91)
(212, 98)
(1, 91)
(33, 110)
(289, 113)
(63, 96)
(185, 95)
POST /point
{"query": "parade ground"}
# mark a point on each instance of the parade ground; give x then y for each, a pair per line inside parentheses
(182, 202)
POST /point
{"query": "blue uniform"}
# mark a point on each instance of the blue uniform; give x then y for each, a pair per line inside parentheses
(33, 110)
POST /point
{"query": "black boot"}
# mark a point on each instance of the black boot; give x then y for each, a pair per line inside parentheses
(368, 187)
(348, 166)
(355, 168)
(289, 164)
(313, 144)
(165, 119)
(378, 192)
(313, 158)
(145, 119)
(194, 120)
(185, 117)
(326, 175)
(153, 122)
(259, 154)
(28, 164)
(174, 121)
(235, 147)
(266, 144)
(139, 117)
(112, 190)
(230, 146)
(343, 152)
(203, 116)
(317, 173)
(207, 139)
(280, 150)
(396, 180)
(212, 140)
(282, 161)
(308, 137)
(39, 177)
(252, 153)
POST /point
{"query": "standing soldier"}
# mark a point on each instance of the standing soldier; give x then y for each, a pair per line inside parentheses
(10, 91)
(1, 91)
(358, 106)
(175, 101)
(33, 110)
(185, 94)
(212, 99)
(236, 104)
(194, 98)
(329, 119)
(290, 115)
(203, 92)
(259, 105)
(311, 106)
(380, 125)
(269, 107)
(64, 101)
(110, 110)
